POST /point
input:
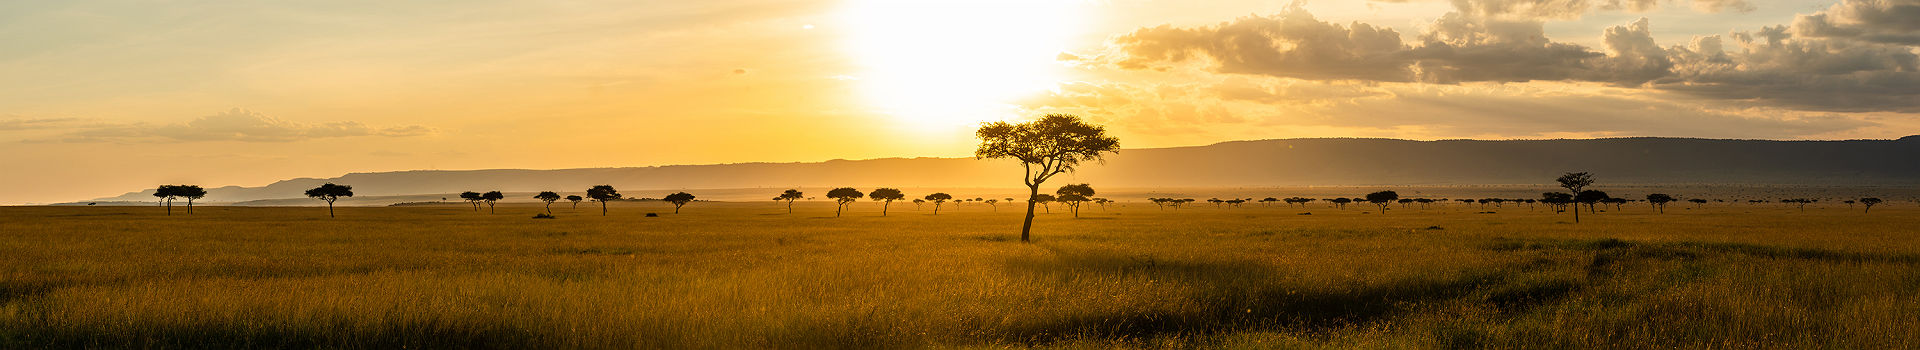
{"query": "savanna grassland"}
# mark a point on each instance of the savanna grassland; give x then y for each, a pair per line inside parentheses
(749, 275)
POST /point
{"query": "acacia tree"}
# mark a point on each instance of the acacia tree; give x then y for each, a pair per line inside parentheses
(549, 197)
(602, 194)
(330, 192)
(168, 193)
(843, 196)
(1590, 198)
(576, 200)
(1073, 195)
(473, 199)
(917, 202)
(994, 203)
(937, 198)
(886, 196)
(1574, 182)
(1342, 202)
(1869, 202)
(1053, 145)
(1382, 199)
(678, 199)
(490, 197)
(789, 196)
(191, 193)
(1659, 201)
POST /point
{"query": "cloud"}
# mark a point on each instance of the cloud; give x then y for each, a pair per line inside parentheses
(17, 124)
(1840, 71)
(1879, 21)
(236, 125)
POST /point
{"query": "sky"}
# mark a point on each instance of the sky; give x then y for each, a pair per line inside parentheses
(104, 97)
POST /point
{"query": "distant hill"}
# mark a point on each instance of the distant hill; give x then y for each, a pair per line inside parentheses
(1285, 162)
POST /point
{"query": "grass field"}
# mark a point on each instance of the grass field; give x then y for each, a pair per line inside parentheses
(734, 275)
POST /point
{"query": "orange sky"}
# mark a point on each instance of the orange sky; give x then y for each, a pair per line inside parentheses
(104, 97)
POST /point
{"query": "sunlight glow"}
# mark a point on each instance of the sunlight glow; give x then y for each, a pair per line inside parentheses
(942, 64)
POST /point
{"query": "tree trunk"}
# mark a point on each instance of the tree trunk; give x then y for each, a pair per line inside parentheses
(883, 208)
(603, 207)
(1026, 228)
(676, 208)
(549, 207)
(489, 208)
(789, 206)
(1576, 212)
(330, 209)
(169, 206)
(838, 207)
(189, 206)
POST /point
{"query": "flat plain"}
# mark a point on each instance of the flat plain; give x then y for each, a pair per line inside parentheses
(1132, 275)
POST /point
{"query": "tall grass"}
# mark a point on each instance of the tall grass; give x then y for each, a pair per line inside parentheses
(734, 275)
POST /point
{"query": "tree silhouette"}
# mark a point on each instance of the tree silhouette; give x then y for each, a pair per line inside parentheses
(576, 200)
(490, 197)
(938, 198)
(330, 192)
(993, 203)
(1052, 145)
(1574, 182)
(917, 202)
(473, 199)
(602, 194)
(1869, 202)
(789, 196)
(679, 199)
(1659, 201)
(886, 196)
(1697, 202)
(1046, 201)
(167, 193)
(843, 196)
(1074, 195)
(1589, 197)
(1382, 199)
(1342, 202)
(549, 197)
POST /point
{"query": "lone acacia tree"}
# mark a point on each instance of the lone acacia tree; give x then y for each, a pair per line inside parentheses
(490, 197)
(191, 193)
(937, 198)
(330, 192)
(842, 197)
(1869, 202)
(472, 198)
(167, 193)
(1659, 201)
(678, 199)
(886, 196)
(602, 194)
(1052, 145)
(1574, 182)
(549, 197)
(789, 196)
(1382, 199)
(1073, 195)
(576, 200)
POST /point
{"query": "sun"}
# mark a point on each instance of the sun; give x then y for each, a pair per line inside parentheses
(942, 64)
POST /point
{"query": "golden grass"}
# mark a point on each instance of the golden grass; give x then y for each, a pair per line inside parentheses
(733, 275)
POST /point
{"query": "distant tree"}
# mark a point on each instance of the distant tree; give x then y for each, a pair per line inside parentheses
(1798, 202)
(789, 196)
(473, 199)
(1046, 201)
(1869, 202)
(167, 193)
(993, 203)
(330, 192)
(1574, 183)
(1342, 202)
(602, 194)
(1616, 202)
(1052, 145)
(1073, 195)
(917, 202)
(938, 198)
(1590, 198)
(844, 196)
(549, 197)
(1557, 200)
(1659, 201)
(1382, 199)
(490, 197)
(679, 199)
(576, 200)
(1697, 201)
(1102, 202)
(191, 193)
(886, 196)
